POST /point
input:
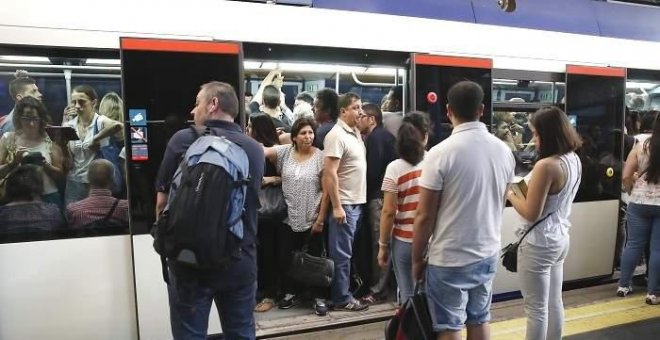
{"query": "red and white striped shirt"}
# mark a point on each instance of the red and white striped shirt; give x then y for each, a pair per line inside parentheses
(402, 179)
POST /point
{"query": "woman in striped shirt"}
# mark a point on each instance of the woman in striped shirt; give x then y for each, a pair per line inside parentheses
(400, 198)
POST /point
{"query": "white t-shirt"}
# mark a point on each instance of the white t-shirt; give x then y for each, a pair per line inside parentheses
(472, 168)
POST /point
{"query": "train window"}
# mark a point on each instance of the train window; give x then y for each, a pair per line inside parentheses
(596, 104)
(514, 100)
(51, 186)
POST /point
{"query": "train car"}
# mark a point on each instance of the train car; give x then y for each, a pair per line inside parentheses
(107, 283)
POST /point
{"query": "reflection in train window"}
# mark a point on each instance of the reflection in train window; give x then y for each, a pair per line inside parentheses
(514, 101)
(39, 157)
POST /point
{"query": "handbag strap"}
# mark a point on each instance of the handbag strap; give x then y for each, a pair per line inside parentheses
(112, 210)
(308, 239)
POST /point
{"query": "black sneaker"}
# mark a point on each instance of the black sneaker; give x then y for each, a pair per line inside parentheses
(287, 302)
(320, 308)
(353, 306)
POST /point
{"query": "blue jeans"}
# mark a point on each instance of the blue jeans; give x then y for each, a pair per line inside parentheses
(460, 295)
(402, 262)
(190, 305)
(340, 249)
(643, 226)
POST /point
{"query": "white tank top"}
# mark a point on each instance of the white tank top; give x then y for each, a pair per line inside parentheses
(555, 228)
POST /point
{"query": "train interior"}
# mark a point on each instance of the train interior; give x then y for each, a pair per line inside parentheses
(594, 106)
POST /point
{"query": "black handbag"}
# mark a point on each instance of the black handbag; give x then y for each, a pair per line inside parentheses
(310, 270)
(510, 252)
(271, 199)
(412, 321)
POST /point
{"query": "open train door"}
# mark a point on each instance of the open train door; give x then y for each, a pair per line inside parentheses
(595, 106)
(160, 81)
(433, 75)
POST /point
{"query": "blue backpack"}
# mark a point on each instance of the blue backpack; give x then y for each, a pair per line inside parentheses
(202, 224)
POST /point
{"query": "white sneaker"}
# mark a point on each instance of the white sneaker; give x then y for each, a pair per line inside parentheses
(652, 299)
(624, 291)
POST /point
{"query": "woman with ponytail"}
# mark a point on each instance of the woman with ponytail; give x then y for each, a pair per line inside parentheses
(641, 178)
(400, 198)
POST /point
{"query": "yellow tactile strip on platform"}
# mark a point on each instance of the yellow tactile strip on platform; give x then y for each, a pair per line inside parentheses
(586, 318)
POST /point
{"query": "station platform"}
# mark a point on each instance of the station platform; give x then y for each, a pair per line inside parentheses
(591, 313)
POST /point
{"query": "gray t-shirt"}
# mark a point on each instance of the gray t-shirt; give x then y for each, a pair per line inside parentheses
(301, 185)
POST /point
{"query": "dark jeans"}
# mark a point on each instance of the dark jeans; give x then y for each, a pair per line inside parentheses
(269, 273)
(190, 305)
(293, 241)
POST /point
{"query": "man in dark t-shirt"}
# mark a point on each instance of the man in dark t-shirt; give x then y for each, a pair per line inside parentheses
(192, 291)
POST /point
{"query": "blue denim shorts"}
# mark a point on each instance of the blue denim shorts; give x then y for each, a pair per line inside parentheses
(460, 295)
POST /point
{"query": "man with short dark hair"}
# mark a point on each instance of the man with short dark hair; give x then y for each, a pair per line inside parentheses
(325, 113)
(271, 98)
(100, 202)
(464, 180)
(20, 87)
(233, 289)
(344, 179)
(380, 145)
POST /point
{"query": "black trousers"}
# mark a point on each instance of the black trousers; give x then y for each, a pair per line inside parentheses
(269, 275)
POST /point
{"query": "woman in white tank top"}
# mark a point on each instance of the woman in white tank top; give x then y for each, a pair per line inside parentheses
(552, 188)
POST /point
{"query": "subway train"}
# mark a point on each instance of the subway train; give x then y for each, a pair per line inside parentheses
(107, 284)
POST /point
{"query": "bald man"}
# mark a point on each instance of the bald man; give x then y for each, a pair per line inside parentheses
(100, 203)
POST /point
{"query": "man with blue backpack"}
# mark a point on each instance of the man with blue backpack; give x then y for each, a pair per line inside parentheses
(207, 200)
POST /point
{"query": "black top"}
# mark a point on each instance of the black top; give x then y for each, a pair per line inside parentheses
(381, 150)
(244, 270)
(321, 132)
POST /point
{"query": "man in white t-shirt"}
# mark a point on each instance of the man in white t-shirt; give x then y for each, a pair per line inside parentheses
(464, 180)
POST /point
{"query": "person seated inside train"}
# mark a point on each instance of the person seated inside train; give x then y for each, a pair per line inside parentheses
(25, 211)
(393, 110)
(20, 87)
(30, 144)
(326, 113)
(271, 108)
(100, 205)
(274, 78)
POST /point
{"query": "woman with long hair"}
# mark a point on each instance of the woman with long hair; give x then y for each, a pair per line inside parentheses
(400, 197)
(641, 178)
(301, 166)
(546, 207)
(30, 144)
(262, 129)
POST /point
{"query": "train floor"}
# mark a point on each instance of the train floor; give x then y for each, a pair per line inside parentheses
(591, 313)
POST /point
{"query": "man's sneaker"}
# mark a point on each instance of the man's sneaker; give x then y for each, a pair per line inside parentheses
(353, 306)
(287, 302)
(320, 308)
(624, 291)
(652, 299)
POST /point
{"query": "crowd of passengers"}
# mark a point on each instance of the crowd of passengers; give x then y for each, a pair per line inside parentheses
(50, 181)
(339, 165)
